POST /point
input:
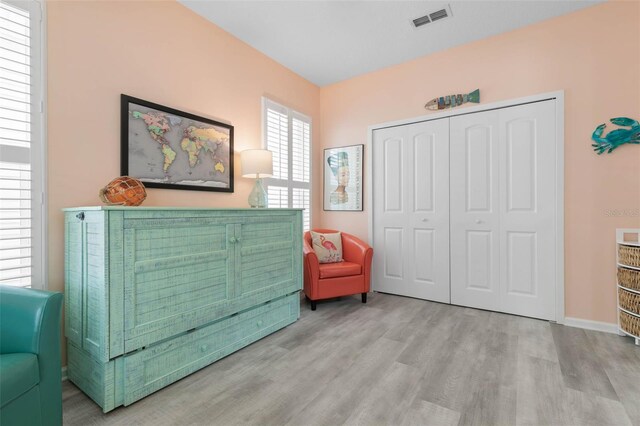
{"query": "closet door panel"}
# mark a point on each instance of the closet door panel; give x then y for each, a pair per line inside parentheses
(474, 210)
(478, 162)
(424, 252)
(392, 161)
(479, 248)
(411, 210)
(428, 221)
(388, 267)
(527, 209)
(424, 169)
(393, 249)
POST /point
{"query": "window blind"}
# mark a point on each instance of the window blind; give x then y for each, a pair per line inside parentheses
(20, 147)
(300, 140)
(300, 200)
(278, 196)
(287, 134)
(277, 135)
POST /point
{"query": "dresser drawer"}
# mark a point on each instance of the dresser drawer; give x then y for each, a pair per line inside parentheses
(152, 368)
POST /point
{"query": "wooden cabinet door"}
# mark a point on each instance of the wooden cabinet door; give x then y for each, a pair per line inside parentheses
(269, 255)
(178, 275)
(86, 289)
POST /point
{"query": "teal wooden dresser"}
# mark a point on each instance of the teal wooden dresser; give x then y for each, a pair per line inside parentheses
(154, 294)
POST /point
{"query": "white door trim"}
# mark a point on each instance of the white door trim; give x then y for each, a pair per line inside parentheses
(559, 98)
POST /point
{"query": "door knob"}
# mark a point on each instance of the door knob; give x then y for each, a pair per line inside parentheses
(478, 221)
(425, 220)
(232, 239)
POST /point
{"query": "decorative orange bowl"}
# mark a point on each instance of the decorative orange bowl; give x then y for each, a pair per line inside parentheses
(123, 191)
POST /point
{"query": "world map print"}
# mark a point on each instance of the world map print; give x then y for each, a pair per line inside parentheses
(165, 148)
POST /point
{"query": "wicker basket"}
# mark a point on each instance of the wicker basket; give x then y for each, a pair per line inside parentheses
(629, 278)
(629, 255)
(629, 301)
(630, 323)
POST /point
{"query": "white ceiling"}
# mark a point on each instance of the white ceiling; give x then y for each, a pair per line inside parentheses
(329, 41)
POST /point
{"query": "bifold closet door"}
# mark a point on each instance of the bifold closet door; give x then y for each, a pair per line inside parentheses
(475, 251)
(528, 210)
(411, 210)
(503, 204)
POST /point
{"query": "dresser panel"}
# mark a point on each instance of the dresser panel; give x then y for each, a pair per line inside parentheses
(73, 275)
(267, 257)
(86, 293)
(176, 274)
(153, 368)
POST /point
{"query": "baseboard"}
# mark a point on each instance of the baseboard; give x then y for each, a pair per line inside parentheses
(64, 373)
(606, 327)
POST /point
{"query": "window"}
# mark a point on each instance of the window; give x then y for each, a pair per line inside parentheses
(21, 145)
(287, 134)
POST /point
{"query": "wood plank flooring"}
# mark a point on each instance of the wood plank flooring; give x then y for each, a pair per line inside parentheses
(400, 361)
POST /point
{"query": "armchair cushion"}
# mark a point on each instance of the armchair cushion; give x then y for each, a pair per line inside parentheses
(328, 246)
(19, 374)
(340, 269)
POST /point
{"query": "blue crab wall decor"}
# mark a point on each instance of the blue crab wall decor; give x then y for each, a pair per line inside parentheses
(617, 137)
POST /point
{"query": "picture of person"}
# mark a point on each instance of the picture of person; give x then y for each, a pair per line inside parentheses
(343, 178)
(339, 165)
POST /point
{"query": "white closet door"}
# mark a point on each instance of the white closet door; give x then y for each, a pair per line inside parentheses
(503, 192)
(475, 200)
(527, 210)
(411, 210)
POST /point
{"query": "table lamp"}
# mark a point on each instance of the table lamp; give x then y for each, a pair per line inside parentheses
(257, 163)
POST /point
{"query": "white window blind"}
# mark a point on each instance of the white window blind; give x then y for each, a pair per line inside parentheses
(21, 145)
(287, 134)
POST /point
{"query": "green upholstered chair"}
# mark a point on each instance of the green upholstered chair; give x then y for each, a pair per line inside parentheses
(30, 368)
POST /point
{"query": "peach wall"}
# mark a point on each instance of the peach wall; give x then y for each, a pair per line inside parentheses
(594, 56)
(161, 52)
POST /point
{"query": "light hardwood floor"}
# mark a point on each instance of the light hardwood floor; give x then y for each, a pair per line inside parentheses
(400, 361)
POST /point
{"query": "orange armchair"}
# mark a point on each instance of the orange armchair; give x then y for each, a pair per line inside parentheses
(328, 280)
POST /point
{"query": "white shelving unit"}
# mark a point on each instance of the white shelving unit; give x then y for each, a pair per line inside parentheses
(628, 238)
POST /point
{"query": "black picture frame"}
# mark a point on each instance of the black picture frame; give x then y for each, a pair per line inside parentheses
(125, 170)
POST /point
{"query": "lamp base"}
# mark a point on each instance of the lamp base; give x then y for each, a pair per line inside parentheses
(258, 196)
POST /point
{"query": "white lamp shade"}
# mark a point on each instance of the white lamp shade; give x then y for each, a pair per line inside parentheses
(257, 163)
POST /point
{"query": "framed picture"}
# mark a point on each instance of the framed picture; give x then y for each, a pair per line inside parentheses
(167, 148)
(343, 178)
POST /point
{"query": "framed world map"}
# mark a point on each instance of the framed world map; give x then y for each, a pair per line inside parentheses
(167, 148)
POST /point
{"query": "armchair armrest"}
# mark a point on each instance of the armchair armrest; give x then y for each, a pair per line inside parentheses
(30, 323)
(354, 249)
(311, 268)
(310, 254)
(27, 319)
(357, 251)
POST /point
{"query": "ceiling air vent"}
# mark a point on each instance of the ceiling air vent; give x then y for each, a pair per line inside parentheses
(440, 14)
(432, 17)
(418, 22)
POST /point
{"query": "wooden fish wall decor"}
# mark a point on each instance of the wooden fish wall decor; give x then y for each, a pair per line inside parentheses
(617, 137)
(452, 101)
